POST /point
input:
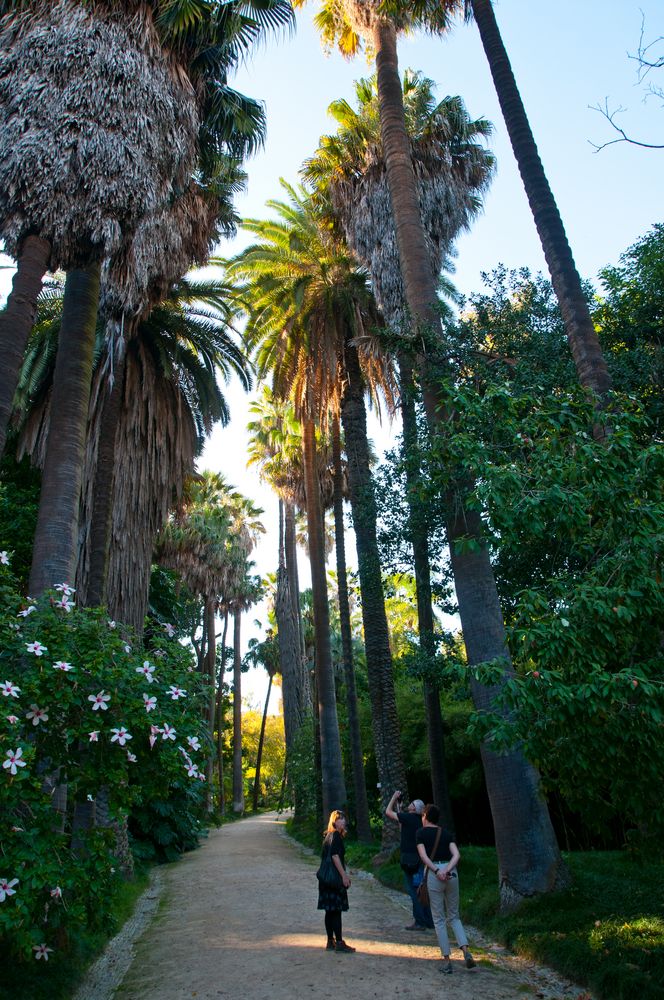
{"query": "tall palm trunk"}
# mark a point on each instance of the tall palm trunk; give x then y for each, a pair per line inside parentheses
(295, 681)
(102, 503)
(259, 753)
(210, 670)
(417, 530)
(528, 855)
(385, 722)
(238, 784)
(55, 547)
(290, 544)
(17, 320)
(333, 785)
(357, 759)
(220, 718)
(586, 350)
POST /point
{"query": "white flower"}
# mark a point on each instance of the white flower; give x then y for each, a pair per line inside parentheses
(201, 777)
(56, 893)
(37, 715)
(64, 603)
(176, 692)
(121, 736)
(63, 665)
(131, 757)
(168, 733)
(564, 623)
(152, 739)
(99, 701)
(147, 669)
(194, 742)
(27, 611)
(154, 733)
(64, 588)
(13, 760)
(150, 702)
(192, 769)
(127, 648)
(169, 630)
(94, 736)
(111, 623)
(9, 688)
(89, 798)
(6, 888)
(159, 653)
(12, 719)
(4, 558)
(36, 648)
(41, 951)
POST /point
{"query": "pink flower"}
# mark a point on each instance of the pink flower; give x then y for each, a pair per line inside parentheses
(9, 688)
(4, 558)
(36, 648)
(27, 611)
(99, 701)
(169, 630)
(147, 669)
(12, 719)
(194, 742)
(63, 665)
(56, 893)
(13, 760)
(131, 757)
(152, 739)
(6, 888)
(154, 733)
(94, 736)
(64, 588)
(176, 692)
(150, 702)
(64, 603)
(192, 770)
(168, 733)
(41, 951)
(37, 715)
(121, 736)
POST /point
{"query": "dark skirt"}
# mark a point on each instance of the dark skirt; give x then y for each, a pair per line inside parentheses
(332, 899)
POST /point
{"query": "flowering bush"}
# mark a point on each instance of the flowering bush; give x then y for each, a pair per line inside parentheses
(82, 707)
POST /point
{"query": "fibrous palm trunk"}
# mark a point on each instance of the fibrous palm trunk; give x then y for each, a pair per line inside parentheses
(290, 546)
(210, 670)
(384, 719)
(220, 717)
(333, 785)
(17, 320)
(259, 753)
(355, 737)
(528, 855)
(238, 783)
(417, 530)
(55, 547)
(586, 350)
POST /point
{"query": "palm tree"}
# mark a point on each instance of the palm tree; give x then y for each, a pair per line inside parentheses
(519, 811)
(267, 654)
(581, 333)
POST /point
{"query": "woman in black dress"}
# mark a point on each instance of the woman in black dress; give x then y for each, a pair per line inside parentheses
(330, 898)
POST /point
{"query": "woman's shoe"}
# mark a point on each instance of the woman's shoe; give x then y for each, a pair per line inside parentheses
(470, 961)
(346, 948)
(447, 967)
(330, 944)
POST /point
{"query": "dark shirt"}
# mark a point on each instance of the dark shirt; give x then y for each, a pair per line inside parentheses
(427, 836)
(410, 823)
(335, 843)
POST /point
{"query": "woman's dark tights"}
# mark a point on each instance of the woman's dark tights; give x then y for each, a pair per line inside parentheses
(333, 924)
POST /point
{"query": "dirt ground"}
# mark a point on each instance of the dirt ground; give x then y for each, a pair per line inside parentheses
(238, 919)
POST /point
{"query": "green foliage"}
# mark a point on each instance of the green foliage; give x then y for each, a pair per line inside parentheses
(19, 503)
(57, 663)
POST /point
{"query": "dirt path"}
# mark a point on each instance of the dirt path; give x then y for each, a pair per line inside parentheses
(239, 919)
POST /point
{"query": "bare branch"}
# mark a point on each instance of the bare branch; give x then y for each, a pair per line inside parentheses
(623, 137)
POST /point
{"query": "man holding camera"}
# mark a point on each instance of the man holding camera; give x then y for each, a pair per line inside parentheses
(410, 821)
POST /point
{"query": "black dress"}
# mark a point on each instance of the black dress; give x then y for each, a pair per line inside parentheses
(333, 899)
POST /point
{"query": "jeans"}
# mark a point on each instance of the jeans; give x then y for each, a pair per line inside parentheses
(421, 914)
(444, 897)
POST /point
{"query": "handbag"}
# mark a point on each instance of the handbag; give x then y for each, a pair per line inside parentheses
(423, 888)
(328, 873)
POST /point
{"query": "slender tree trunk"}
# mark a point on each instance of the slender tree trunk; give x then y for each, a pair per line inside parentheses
(385, 722)
(293, 579)
(585, 346)
(528, 855)
(100, 529)
(17, 320)
(210, 670)
(238, 784)
(334, 788)
(418, 532)
(55, 547)
(220, 718)
(355, 737)
(259, 754)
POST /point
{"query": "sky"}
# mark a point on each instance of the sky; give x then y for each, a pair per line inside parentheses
(567, 57)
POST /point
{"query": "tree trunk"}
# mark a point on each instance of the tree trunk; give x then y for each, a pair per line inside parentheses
(259, 754)
(585, 346)
(529, 858)
(385, 722)
(295, 682)
(210, 670)
(238, 784)
(334, 788)
(102, 504)
(55, 548)
(418, 532)
(220, 718)
(290, 544)
(17, 320)
(355, 738)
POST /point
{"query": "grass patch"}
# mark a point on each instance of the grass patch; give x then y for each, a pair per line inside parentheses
(59, 978)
